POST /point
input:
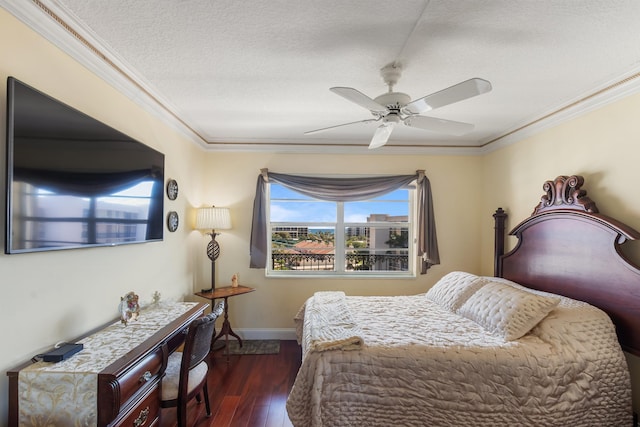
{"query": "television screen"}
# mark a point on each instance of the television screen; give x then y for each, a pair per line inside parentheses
(73, 181)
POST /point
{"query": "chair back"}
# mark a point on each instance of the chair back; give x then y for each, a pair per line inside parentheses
(198, 342)
(186, 372)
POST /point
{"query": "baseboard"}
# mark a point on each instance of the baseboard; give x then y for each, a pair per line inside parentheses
(266, 334)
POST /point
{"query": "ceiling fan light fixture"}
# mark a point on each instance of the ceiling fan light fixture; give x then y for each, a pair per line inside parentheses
(391, 119)
(393, 100)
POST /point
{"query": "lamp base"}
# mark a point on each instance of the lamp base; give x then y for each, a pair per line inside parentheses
(206, 290)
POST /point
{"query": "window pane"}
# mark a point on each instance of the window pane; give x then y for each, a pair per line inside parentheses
(400, 194)
(305, 212)
(280, 192)
(391, 207)
(303, 248)
(376, 211)
(377, 248)
(373, 234)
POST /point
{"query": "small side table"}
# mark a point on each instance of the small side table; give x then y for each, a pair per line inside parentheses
(225, 292)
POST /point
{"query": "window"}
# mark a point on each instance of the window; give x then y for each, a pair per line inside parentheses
(311, 237)
(343, 194)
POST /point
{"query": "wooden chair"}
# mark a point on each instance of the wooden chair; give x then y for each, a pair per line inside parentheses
(186, 373)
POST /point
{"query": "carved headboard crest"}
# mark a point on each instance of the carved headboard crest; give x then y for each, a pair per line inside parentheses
(565, 193)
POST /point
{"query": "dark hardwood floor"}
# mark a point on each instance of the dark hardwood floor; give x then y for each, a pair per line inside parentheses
(249, 391)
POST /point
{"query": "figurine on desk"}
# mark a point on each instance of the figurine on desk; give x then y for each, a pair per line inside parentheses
(129, 308)
(234, 281)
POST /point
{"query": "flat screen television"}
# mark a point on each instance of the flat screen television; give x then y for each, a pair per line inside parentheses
(73, 181)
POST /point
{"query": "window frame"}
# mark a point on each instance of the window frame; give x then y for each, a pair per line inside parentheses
(340, 241)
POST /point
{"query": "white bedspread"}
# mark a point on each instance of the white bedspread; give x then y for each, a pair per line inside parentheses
(418, 364)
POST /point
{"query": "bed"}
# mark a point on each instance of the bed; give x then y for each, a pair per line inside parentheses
(539, 344)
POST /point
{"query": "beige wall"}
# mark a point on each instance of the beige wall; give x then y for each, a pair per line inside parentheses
(603, 146)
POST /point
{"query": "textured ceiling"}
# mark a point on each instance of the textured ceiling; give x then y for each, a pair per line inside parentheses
(256, 74)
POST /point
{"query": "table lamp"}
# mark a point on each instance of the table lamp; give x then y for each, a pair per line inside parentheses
(213, 219)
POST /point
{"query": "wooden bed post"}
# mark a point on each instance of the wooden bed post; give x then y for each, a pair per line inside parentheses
(499, 218)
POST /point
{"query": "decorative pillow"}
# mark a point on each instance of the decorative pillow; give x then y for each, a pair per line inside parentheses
(454, 289)
(507, 311)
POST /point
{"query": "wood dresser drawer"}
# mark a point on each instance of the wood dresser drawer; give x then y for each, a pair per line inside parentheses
(119, 391)
(140, 375)
(146, 413)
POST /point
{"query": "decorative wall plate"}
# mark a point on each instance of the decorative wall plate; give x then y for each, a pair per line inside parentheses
(172, 189)
(172, 221)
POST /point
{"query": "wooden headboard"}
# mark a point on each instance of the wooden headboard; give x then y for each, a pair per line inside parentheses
(566, 247)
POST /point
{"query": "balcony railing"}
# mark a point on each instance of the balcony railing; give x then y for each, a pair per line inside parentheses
(354, 262)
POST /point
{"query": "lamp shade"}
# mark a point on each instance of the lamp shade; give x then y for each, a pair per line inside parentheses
(213, 219)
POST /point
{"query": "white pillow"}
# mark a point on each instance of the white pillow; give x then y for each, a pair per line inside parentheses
(507, 311)
(454, 289)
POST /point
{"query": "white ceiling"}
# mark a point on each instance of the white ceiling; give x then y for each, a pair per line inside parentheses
(255, 75)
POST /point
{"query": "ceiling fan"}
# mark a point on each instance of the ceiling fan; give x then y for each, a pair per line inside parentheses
(393, 108)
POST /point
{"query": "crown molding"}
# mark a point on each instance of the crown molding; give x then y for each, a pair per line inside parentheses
(342, 148)
(611, 91)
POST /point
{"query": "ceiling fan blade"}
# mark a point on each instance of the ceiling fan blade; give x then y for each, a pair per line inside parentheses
(439, 125)
(382, 134)
(461, 91)
(339, 126)
(360, 98)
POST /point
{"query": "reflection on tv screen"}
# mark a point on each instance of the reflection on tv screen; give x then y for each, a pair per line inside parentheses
(73, 181)
(49, 219)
